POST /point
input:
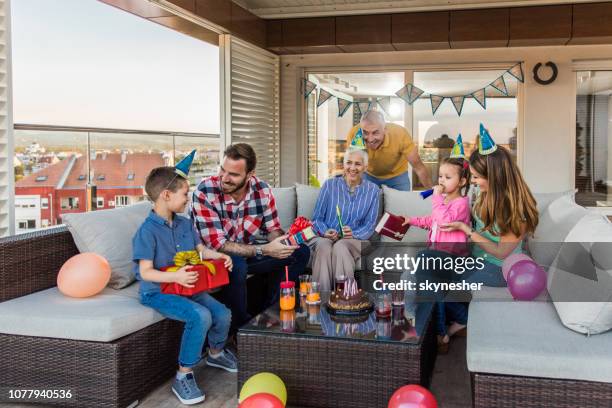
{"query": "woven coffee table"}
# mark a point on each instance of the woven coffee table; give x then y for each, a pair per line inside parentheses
(325, 363)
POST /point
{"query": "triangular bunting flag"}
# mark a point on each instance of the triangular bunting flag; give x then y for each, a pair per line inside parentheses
(364, 107)
(385, 103)
(343, 106)
(481, 97)
(517, 72)
(436, 101)
(500, 85)
(409, 93)
(458, 103)
(308, 87)
(323, 97)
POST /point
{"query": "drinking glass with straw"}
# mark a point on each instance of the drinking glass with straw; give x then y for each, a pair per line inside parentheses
(339, 215)
(287, 295)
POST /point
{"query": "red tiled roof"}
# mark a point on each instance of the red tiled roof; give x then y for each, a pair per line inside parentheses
(115, 173)
(53, 174)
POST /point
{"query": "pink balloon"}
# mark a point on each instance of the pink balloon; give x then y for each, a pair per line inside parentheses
(526, 280)
(412, 396)
(83, 275)
(511, 260)
(262, 400)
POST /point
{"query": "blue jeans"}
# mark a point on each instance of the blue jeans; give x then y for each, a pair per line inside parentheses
(490, 275)
(401, 182)
(201, 314)
(235, 294)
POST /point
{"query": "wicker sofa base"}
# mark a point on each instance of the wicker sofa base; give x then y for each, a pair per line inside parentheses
(501, 391)
(113, 375)
(336, 373)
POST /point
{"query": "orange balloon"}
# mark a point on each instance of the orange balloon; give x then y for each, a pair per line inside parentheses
(83, 275)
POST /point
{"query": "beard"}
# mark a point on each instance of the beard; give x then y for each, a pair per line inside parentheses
(230, 188)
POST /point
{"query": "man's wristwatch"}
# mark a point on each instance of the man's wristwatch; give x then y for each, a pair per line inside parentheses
(258, 252)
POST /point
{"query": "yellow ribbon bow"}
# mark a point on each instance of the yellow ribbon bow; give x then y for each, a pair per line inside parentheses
(183, 258)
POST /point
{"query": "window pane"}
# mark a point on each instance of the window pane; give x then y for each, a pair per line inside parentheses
(42, 159)
(120, 163)
(327, 132)
(206, 162)
(436, 134)
(593, 138)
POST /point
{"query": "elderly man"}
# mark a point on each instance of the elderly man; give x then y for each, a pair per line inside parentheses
(390, 149)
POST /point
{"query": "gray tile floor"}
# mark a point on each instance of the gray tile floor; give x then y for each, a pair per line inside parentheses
(451, 385)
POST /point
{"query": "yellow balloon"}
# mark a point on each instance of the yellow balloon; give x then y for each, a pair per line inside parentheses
(264, 382)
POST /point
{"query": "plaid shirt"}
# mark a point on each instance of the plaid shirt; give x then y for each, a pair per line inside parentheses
(218, 218)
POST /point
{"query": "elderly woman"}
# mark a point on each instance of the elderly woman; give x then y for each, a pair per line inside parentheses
(336, 250)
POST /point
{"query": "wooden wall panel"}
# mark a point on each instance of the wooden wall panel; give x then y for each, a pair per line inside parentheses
(216, 11)
(546, 25)
(187, 27)
(140, 8)
(592, 23)
(274, 35)
(248, 26)
(310, 35)
(364, 33)
(188, 5)
(479, 28)
(420, 31)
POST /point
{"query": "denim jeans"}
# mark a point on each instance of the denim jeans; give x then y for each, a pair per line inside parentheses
(401, 182)
(201, 314)
(235, 294)
(490, 275)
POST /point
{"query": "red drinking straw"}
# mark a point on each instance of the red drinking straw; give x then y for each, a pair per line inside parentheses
(286, 274)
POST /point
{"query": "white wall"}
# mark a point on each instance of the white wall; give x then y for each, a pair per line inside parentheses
(546, 113)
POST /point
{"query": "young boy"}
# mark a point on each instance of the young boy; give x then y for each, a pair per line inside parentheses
(159, 238)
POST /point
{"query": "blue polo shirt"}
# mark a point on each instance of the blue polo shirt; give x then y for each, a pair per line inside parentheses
(158, 241)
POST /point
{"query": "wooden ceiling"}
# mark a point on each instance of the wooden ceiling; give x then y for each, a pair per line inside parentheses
(560, 24)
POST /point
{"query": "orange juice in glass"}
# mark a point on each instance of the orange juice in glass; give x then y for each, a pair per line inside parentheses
(313, 296)
(287, 295)
(304, 284)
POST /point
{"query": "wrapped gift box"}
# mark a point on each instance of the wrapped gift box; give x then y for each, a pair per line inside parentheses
(212, 274)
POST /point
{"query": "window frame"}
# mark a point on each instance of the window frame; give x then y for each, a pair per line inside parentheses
(577, 66)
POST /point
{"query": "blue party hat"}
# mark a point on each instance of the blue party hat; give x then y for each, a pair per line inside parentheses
(182, 167)
(486, 145)
(458, 152)
(358, 141)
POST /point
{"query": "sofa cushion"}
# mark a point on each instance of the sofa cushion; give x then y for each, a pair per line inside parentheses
(527, 339)
(105, 317)
(109, 234)
(580, 279)
(286, 205)
(489, 293)
(306, 199)
(554, 225)
(543, 200)
(407, 203)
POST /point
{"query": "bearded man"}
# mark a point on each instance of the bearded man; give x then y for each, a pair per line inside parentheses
(232, 211)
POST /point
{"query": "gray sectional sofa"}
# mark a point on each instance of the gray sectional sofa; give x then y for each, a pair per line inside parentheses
(112, 351)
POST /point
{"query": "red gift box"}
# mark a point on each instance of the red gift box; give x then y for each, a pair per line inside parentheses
(212, 274)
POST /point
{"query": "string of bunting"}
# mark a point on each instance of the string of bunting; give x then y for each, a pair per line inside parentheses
(409, 93)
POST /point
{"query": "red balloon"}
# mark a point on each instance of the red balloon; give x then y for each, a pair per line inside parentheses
(412, 396)
(262, 400)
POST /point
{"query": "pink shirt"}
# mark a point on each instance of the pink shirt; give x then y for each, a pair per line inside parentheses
(442, 213)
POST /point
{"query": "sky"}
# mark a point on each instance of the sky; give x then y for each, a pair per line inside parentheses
(85, 63)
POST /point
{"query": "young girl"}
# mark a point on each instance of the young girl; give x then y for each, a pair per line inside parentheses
(449, 204)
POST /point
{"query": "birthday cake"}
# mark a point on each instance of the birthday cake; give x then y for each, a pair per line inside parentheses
(351, 299)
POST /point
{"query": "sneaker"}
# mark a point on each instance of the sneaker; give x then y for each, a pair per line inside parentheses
(187, 391)
(225, 360)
